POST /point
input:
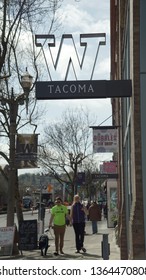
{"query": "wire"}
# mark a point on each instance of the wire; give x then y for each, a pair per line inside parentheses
(105, 120)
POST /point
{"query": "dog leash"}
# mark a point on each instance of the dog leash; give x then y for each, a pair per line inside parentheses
(49, 230)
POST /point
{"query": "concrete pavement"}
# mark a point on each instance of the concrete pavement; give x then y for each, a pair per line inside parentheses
(92, 243)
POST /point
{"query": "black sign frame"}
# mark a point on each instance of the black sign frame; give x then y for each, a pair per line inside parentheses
(46, 90)
(28, 239)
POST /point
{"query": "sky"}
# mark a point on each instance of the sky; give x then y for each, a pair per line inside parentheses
(77, 18)
(82, 17)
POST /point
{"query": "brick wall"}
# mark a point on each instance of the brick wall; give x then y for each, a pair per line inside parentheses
(135, 238)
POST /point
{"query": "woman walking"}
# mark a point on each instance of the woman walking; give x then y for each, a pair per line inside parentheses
(78, 214)
(58, 215)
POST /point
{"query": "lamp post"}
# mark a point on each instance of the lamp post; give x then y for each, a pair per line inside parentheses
(26, 83)
(75, 160)
(13, 102)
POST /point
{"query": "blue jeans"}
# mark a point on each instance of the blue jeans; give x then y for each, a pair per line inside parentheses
(94, 227)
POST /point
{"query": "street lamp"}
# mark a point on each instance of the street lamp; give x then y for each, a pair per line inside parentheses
(26, 83)
(75, 160)
(13, 102)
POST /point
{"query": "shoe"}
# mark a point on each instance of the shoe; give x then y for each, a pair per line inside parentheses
(61, 252)
(83, 249)
(77, 252)
(56, 254)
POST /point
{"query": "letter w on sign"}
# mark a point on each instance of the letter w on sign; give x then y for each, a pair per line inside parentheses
(71, 56)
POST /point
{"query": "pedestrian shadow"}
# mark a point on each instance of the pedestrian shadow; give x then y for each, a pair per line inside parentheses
(66, 256)
(88, 255)
(80, 256)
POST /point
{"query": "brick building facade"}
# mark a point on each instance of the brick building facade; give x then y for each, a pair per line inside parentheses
(128, 61)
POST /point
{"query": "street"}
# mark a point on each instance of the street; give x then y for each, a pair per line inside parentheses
(27, 216)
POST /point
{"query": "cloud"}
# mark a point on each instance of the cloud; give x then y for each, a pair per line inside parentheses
(82, 17)
(79, 18)
(98, 108)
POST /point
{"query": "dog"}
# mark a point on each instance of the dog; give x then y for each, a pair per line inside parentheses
(44, 244)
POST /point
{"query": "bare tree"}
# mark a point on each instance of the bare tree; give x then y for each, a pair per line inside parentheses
(66, 145)
(90, 167)
(19, 22)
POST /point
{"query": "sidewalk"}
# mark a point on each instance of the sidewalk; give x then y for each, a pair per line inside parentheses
(92, 244)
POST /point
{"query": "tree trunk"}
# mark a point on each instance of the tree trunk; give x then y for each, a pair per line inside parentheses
(18, 201)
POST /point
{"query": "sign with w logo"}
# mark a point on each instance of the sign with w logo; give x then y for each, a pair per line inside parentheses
(26, 150)
(68, 57)
(67, 60)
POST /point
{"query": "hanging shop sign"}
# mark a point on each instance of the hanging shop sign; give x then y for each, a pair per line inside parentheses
(26, 150)
(105, 139)
(83, 89)
(80, 88)
(109, 167)
(99, 176)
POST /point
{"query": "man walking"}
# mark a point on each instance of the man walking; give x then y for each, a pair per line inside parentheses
(94, 216)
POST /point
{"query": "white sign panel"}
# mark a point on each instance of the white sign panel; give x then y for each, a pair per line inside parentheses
(105, 140)
(6, 236)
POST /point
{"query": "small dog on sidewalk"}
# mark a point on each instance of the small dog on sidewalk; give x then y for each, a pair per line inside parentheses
(44, 244)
